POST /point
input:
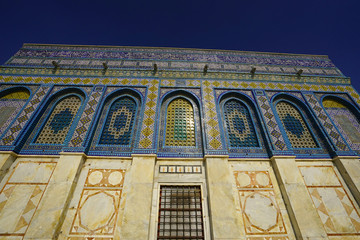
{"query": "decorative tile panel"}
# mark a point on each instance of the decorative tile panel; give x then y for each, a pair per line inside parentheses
(295, 127)
(212, 123)
(326, 122)
(182, 169)
(85, 119)
(10, 105)
(240, 128)
(59, 122)
(24, 116)
(180, 124)
(337, 210)
(271, 123)
(119, 122)
(345, 121)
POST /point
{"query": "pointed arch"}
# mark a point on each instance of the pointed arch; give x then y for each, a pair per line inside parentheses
(11, 102)
(180, 123)
(239, 125)
(295, 125)
(345, 117)
(59, 120)
(180, 127)
(116, 126)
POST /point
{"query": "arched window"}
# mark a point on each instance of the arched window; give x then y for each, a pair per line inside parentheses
(59, 121)
(240, 128)
(295, 127)
(10, 105)
(119, 122)
(345, 120)
(180, 124)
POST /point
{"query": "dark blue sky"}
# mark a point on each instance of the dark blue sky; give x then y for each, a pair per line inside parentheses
(309, 27)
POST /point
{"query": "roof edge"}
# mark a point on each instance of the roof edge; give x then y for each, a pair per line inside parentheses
(175, 48)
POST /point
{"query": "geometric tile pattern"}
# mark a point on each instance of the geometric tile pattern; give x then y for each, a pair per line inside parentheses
(212, 124)
(148, 126)
(180, 125)
(259, 207)
(345, 121)
(59, 121)
(119, 122)
(24, 116)
(21, 196)
(239, 125)
(180, 169)
(294, 125)
(97, 210)
(10, 105)
(270, 122)
(337, 211)
(326, 122)
(85, 120)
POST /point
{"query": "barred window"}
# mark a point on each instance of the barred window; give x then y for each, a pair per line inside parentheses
(180, 213)
(59, 121)
(295, 127)
(180, 125)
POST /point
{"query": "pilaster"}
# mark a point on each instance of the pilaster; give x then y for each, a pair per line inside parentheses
(53, 207)
(136, 218)
(224, 217)
(349, 168)
(6, 160)
(304, 218)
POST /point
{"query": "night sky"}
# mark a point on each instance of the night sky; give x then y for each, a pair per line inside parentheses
(309, 27)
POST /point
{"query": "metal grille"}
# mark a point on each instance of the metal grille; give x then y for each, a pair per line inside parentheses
(180, 213)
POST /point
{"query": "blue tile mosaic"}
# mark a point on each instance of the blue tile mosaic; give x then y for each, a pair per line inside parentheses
(119, 122)
(239, 126)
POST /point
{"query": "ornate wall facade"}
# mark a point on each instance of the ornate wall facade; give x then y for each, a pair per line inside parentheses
(161, 143)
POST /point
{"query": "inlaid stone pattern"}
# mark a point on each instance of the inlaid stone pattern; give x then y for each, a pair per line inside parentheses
(180, 124)
(119, 122)
(345, 121)
(260, 210)
(58, 124)
(98, 206)
(337, 210)
(24, 116)
(240, 128)
(10, 105)
(21, 196)
(296, 129)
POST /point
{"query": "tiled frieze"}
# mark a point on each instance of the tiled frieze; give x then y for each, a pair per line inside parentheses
(195, 91)
(326, 122)
(21, 195)
(86, 118)
(337, 209)
(24, 116)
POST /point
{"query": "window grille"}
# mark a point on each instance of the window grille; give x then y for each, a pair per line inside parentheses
(180, 213)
